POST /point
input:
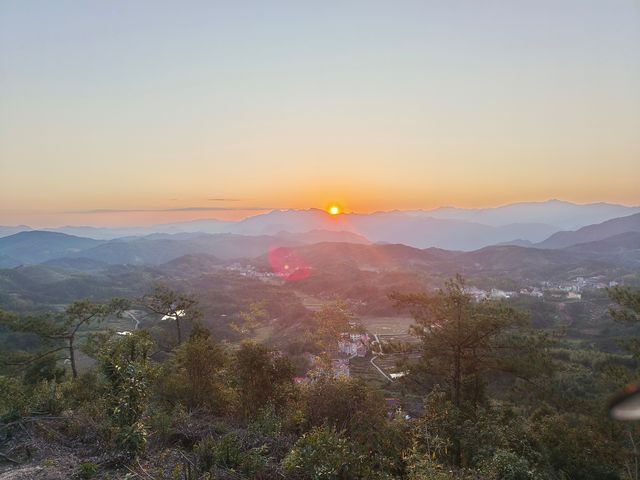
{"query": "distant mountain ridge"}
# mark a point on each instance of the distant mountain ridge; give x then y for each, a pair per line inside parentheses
(592, 233)
(531, 264)
(557, 213)
(37, 246)
(339, 261)
(5, 231)
(522, 224)
(69, 251)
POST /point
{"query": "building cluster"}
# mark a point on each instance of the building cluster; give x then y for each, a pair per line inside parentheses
(340, 367)
(493, 294)
(248, 271)
(579, 284)
(354, 344)
(350, 345)
(532, 292)
(570, 289)
(573, 289)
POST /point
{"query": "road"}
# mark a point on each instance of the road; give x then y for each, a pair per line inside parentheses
(379, 369)
(134, 318)
(376, 355)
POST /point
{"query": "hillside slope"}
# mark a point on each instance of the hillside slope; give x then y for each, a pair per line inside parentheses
(592, 233)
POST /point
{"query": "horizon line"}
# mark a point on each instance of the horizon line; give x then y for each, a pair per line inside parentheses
(261, 210)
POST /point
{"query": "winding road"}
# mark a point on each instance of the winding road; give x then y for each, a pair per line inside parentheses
(376, 355)
(134, 318)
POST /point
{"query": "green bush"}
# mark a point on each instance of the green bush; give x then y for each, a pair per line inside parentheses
(47, 397)
(194, 375)
(86, 388)
(89, 422)
(228, 453)
(263, 377)
(161, 423)
(321, 454)
(131, 438)
(576, 446)
(506, 465)
(13, 398)
(88, 470)
(266, 424)
(128, 373)
(225, 452)
(45, 368)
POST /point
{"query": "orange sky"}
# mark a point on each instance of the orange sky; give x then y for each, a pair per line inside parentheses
(157, 107)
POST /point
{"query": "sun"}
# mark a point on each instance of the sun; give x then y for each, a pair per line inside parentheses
(334, 210)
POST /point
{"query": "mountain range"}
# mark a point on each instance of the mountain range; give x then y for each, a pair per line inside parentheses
(556, 213)
(35, 247)
(592, 233)
(524, 224)
(614, 242)
(42, 267)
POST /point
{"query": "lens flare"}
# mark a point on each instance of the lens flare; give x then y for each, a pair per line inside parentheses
(288, 264)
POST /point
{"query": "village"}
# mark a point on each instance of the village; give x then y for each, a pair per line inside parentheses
(569, 289)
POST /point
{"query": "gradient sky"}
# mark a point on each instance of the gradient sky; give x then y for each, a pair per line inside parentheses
(219, 109)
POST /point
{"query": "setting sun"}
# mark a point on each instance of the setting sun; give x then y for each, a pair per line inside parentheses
(334, 210)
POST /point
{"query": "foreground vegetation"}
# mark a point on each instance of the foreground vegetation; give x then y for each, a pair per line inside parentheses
(500, 400)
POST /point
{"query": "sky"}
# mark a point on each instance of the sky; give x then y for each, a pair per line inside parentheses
(120, 112)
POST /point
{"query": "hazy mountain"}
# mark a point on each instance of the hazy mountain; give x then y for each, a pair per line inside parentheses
(327, 256)
(515, 262)
(161, 248)
(627, 241)
(317, 236)
(102, 233)
(559, 214)
(7, 262)
(30, 286)
(317, 225)
(350, 269)
(521, 262)
(592, 233)
(154, 251)
(612, 256)
(192, 262)
(209, 225)
(38, 246)
(293, 221)
(449, 228)
(622, 249)
(79, 264)
(87, 254)
(5, 231)
(395, 227)
(110, 233)
(519, 242)
(423, 232)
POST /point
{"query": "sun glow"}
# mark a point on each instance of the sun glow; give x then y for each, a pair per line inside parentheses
(334, 210)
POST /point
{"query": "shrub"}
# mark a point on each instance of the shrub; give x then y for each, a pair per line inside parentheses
(263, 377)
(47, 397)
(321, 454)
(88, 470)
(577, 446)
(125, 364)
(266, 424)
(84, 389)
(506, 465)
(193, 375)
(225, 452)
(229, 453)
(13, 399)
